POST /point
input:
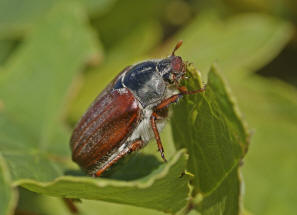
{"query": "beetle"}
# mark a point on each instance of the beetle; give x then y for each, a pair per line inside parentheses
(128, 113)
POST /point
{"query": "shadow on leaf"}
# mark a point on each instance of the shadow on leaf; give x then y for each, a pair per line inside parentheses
(134, 166)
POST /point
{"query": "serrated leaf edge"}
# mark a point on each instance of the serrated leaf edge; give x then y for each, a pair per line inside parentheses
(216, 70)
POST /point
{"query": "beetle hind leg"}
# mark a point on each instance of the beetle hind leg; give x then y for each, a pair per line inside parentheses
(134, 146)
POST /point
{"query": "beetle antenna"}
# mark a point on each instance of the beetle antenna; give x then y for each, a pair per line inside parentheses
(179, 43)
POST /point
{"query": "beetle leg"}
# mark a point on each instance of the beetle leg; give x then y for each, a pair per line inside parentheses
(174, 98)
(184, 90)
(164, 104)
(154, 116)
(168, 101)
(132, 147)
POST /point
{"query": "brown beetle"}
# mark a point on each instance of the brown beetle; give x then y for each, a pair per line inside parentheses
(128, 113)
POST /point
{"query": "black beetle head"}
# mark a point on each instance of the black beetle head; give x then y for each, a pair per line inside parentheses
(172, 69)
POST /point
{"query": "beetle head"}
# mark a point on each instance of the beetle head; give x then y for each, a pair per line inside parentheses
(172, 68)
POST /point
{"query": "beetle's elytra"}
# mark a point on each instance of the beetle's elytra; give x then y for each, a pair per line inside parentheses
(128, 113)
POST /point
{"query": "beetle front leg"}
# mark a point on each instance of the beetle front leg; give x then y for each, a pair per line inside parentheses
(137, 144)
(168, 101)
(185, 91)
(174, 98)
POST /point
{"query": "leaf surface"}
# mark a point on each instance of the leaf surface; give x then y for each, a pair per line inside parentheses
(242, 46)
(243, 41)
(8, 195)
(209, 126)
(33, 93)
(31, 202)
(153, 191)
(34, 141)
(17, 17)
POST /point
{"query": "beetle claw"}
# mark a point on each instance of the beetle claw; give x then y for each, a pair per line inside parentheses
(163, 156)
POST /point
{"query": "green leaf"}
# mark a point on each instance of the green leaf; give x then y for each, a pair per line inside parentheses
(153, 191)
(33, 140)
(42, 204)
(126, 16)
(270, 108)
(284, 9)
(33, 104)
(16, 17)
(226, 199)
(6, 47)
(212, 131)
(242, 41)
(33, 203)
(216, 139)
(8, 195)
(268, 105)
(98, 7)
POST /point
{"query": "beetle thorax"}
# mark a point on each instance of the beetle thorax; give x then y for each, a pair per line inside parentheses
(145, 82)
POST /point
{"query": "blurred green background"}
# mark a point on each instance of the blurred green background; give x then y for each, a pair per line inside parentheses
(254, 42)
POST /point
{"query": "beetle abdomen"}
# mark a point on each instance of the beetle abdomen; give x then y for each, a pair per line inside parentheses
(104, 128)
